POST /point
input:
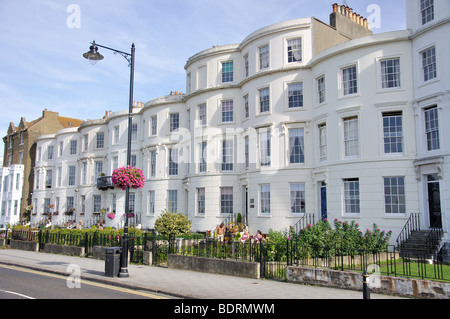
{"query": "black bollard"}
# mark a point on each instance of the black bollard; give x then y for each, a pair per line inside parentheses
(366, 289)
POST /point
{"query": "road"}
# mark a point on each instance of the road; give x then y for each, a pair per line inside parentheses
(21, 283)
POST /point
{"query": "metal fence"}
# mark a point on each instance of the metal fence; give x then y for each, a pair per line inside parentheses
(274, 258)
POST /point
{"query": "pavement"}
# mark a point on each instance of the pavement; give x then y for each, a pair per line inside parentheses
(176, 283)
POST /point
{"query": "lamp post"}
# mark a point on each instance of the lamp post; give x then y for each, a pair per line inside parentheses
(93, 56)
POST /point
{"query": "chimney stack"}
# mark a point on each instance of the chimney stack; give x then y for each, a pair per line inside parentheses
(348, 12)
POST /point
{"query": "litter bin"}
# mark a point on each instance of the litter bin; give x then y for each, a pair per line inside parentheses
(112, 261)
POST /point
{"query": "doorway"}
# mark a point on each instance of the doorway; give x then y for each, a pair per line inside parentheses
(434, 201)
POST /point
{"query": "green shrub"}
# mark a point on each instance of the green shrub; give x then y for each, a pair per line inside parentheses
(172, 224)
(347, 235)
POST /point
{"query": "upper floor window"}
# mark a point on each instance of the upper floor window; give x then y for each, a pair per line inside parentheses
(321, 89)
(227, 155)
(349, 80)
(429, 64)
(227, 71)
(202, 114)
(134, 132)
(264, 57)
(49, 178)
(264, 148)
(50, 152)
(390, 73)
(246, 66)
(153, 163)
(154, 125)
(189, 83)
(86, 143)
(294, 50)
(264, 102)
(393, 132)
(295, 94)
(432, 128)
(174, 122)
(72, 175)
(202, 162)
(227, 111)
(427, 10)
(73, 147)
(351, 136)
(100, 140)
(296, 146)
(173, 162)
(116, 135)
(246, 107)
(322, 142)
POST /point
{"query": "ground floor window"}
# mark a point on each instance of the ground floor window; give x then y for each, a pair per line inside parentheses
(297, 198)
(351, 196)
(394, 195)
(265, 198)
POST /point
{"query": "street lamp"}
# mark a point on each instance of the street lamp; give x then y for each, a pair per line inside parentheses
(93, 56)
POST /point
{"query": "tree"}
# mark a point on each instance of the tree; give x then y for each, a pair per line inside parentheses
(172, 224)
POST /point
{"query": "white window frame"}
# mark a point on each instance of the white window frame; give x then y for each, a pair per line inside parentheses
(264, 57)
(351, 141)
(427, 11)
(351, 196)
(298, 59)
(264, 199)
(347, 88)
(226, 200)
(297, 193)
(395, 198)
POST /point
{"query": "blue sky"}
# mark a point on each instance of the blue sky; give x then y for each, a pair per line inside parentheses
(43, 41)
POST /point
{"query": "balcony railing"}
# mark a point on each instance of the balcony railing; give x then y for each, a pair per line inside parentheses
(104, 183)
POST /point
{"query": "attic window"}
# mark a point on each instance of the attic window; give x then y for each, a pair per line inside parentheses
(70, 124)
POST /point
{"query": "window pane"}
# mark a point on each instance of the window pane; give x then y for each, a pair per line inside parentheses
(227, 72)
(294, 48)
(390, 73)
(349, 80)
(295, 94)
(296, 146)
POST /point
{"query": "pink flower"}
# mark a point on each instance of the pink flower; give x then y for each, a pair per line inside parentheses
(128, 177)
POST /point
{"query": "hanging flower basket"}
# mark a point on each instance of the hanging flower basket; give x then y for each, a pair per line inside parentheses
(128, 177)
(111, 215)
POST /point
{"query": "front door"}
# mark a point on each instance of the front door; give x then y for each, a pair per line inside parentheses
(434, 201)
(323, 200)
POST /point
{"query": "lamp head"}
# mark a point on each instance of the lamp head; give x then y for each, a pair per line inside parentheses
(92, 55)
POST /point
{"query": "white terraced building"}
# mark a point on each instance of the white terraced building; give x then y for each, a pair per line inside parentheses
(299, 118)
(11, 181)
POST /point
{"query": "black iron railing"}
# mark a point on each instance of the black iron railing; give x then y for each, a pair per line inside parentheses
(413, 224)
(104, 183)
(274, 258)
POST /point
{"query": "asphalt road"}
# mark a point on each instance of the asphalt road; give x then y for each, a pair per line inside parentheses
(20, 283)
